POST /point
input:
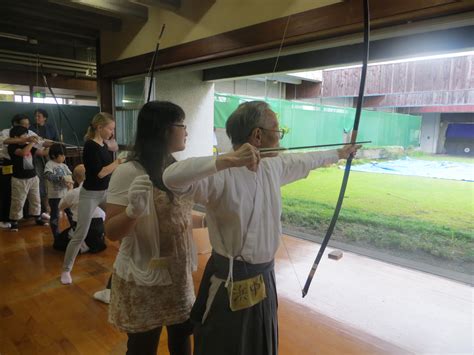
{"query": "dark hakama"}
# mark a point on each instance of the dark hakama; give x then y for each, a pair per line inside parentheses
(251, 331)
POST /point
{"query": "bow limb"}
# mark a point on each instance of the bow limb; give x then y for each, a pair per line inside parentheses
(60, 112)
(153, 62)
(347, 169)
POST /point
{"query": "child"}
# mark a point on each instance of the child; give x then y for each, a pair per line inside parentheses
(58, 181)
(24, 182)
(7, 167)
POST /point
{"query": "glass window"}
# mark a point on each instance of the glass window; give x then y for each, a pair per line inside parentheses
(129, 98)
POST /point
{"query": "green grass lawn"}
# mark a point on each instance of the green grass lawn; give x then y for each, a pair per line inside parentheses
(392, 212)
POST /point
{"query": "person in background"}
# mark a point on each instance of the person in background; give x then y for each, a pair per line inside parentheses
(46, 131)
(7, 167)
(25, 182)
(94, 241)
(6, 170)
(58, 181)
(99, 164)
(43, 128)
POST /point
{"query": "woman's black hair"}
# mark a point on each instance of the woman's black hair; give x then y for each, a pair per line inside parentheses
(152, 139)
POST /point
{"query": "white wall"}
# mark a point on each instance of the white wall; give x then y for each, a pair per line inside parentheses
(224, 144)
(251, 87)
(429, 132)
(196, 97)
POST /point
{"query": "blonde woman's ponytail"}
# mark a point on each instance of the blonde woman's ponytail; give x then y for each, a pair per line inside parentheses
(90, 134)
(100, 119)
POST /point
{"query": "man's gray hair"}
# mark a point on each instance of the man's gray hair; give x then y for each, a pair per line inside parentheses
(247, 117)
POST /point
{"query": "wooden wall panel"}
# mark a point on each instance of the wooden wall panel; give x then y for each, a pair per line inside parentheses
(420, 99)
(386, 78)
(470, 73)
(399, 78)
(446, 74)
(460, 67)
(306, 89)
(373, 81)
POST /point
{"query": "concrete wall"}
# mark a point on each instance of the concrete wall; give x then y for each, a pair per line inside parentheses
(197, 100)
(430, 126)
(251, 87)
(224, 144)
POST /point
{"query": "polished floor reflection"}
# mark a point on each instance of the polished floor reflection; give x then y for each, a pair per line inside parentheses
(38, 315)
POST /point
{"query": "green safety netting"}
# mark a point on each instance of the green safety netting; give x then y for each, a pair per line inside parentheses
(311, 124)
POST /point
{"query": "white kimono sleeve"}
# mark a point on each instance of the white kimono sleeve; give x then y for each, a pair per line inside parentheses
(197, 177)
(293, 167)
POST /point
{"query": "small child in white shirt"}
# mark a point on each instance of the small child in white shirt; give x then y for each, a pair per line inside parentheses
(58, 182)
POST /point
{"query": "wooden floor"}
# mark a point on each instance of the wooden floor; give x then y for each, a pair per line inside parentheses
(38, 315)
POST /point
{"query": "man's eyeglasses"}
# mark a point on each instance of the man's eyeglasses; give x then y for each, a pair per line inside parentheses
(179, 125)
(280, 131)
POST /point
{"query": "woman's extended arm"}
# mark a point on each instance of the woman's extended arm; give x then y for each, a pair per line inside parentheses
(108, 169)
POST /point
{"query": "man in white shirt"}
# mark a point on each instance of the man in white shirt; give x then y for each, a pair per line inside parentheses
(236, 307)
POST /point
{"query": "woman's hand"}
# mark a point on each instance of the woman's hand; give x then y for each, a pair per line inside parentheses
(68, 182)
(348, 150)
(139, 196)
(30, 139)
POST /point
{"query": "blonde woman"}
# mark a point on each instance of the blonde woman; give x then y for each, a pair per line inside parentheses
(99, 163)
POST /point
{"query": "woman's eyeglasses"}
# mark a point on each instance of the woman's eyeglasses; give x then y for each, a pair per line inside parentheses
(179, 125)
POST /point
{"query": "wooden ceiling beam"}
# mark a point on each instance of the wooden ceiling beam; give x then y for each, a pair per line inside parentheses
(9, 24)
(331, 21)
(117, 8)
(44, 13)
(44, 38)
(451, 40)
(60, 82)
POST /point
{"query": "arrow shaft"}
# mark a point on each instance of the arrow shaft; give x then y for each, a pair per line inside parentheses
(265, 150)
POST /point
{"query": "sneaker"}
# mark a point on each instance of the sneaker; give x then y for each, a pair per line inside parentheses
(13, 226)
(45, 216)
(5, 225)
(103, 296)
(40, 222)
